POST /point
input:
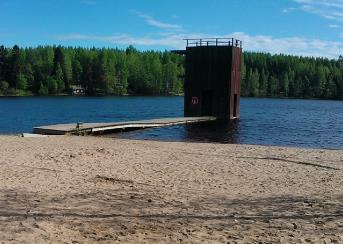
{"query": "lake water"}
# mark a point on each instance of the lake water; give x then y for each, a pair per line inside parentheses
(283, 122)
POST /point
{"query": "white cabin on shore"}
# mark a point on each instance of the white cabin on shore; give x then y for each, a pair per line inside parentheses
(78, 90)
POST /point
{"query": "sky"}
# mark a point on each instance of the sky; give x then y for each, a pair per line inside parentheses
(296, 27)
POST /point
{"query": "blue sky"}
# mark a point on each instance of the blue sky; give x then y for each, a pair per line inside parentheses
(300, 27)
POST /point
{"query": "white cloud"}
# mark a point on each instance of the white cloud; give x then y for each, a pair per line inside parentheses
(329, 9)
(323, 3)
(156, 23)
(261, 43)
(172, 38)
(291, 45)
(125, 39)
(334, 26)
(288, 10)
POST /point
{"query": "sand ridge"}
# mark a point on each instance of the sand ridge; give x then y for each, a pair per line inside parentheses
(88, 189)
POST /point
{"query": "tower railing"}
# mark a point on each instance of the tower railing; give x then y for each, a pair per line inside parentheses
(232, 42)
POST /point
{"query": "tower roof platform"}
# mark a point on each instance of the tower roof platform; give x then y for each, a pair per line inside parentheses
(201, 42)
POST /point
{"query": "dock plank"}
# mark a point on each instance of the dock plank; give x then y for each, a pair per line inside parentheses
(62, 129)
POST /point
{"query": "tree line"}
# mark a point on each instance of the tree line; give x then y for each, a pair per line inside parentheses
(53, 70)
(280, 75)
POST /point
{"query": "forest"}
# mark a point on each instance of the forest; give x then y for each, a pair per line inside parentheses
(267, 75)
(54, 70)
(51, 70)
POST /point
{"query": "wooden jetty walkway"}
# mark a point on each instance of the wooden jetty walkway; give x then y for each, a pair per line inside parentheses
(92, 128)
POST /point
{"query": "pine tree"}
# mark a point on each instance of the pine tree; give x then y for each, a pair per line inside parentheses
(291, 85)
(169, 76)
(67, 70)
(263, 83)
(272, 86)
(306, 87)
(29, 75)
(51, 85)
(59, 79)
(254, 81)
(3, 62)
(121, 69)
(77, 72)
(21, 82)
(285, 84)
(14, 70)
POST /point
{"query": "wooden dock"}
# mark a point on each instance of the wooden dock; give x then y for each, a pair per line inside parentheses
(92, 128)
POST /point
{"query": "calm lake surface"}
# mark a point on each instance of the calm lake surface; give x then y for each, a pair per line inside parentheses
(283, 122)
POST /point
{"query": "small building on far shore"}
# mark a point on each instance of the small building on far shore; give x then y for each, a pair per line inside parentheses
(78, 90)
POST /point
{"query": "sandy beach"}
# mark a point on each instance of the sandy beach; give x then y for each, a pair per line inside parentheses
(86, 189)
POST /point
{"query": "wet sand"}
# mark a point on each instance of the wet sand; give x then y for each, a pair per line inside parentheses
(87, 189)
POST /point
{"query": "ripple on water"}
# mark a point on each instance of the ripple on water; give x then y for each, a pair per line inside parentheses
(282, 122)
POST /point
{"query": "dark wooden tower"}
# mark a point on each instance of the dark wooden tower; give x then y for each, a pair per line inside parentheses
(212, 81)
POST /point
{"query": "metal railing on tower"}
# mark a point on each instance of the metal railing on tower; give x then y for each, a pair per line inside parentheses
(232, 42)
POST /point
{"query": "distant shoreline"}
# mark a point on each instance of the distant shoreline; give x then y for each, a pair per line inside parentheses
(159, 95)
(95, 95)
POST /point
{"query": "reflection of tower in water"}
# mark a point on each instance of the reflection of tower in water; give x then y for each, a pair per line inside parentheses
(221, 131)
